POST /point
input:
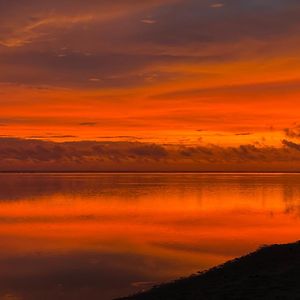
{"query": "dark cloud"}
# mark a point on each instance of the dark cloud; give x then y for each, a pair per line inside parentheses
(149, 150)
(124, 43)
(77, 69)
(37, 137)
(243, 133)
(264, 88)
(41, 153)
(52, 136)
(62, 136)
(291, 145)
(35, 154)
(293, 132)
(193, 21)
(130, 137)
(88, 124)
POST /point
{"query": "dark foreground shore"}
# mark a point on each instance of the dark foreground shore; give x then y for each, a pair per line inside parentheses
(272, 272)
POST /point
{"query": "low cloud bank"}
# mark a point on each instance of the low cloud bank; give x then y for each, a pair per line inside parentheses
(38, 155)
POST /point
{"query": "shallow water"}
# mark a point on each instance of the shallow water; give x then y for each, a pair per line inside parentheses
(99, 236)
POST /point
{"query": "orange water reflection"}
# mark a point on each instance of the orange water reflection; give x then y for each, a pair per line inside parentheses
(72, 236)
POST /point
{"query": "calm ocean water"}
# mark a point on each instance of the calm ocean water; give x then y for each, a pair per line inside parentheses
(99, 236)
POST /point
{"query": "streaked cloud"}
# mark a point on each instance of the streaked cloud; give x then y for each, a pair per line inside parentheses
(158, 68)
(217, 5)
(148, 21)
(88, 124)
(96, 48)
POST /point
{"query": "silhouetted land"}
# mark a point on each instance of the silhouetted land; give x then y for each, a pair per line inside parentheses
(272, 272)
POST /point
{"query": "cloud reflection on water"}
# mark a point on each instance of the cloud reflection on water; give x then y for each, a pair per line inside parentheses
(69, 235)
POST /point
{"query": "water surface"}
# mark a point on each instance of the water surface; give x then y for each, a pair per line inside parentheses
(99, 236)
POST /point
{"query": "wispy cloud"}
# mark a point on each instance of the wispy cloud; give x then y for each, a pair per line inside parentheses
(157, 67)
(217, 5)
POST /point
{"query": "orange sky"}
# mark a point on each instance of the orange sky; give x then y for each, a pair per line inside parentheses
(183, 73)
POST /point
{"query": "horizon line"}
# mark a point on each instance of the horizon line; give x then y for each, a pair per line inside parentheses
(144, 172)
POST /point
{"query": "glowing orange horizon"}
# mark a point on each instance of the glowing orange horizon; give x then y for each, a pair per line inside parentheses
(222, 78)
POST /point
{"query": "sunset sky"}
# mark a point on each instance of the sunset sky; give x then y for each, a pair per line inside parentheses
(158, 85)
